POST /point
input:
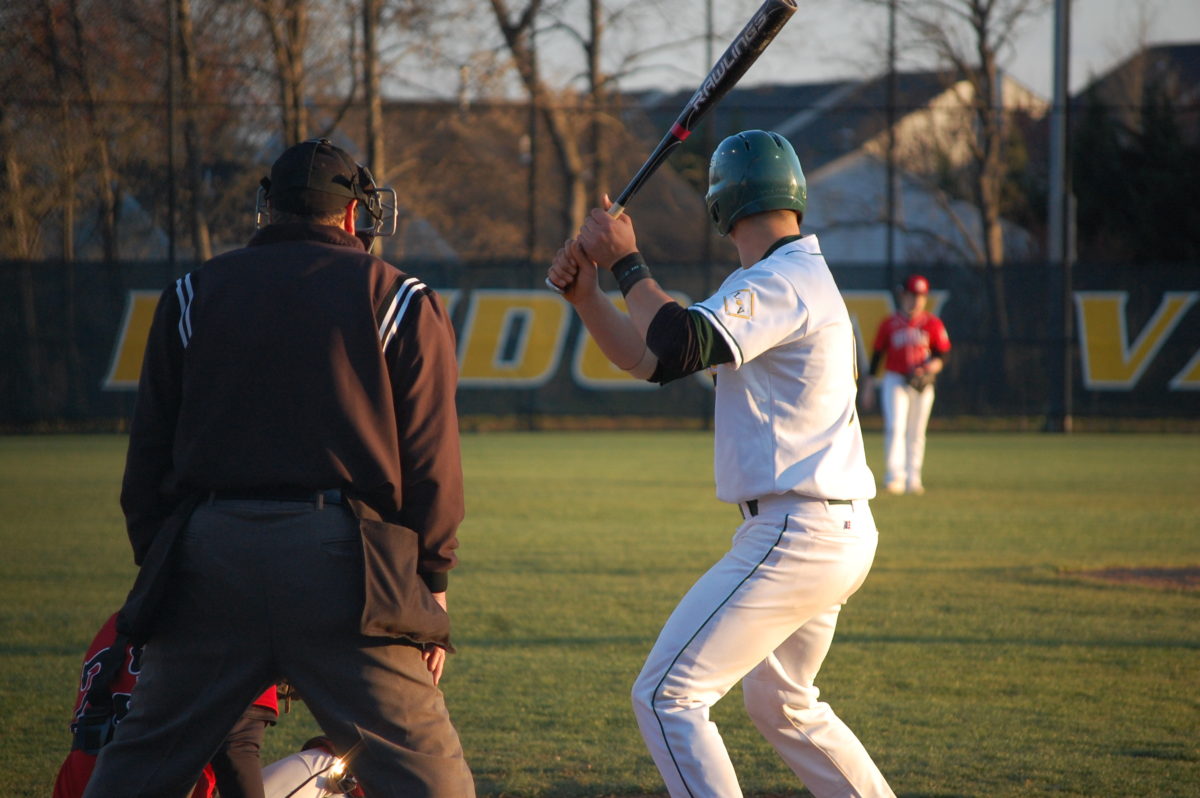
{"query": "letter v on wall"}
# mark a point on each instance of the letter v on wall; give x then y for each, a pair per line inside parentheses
(126, 365)
(1188, 379)
(1110, 361)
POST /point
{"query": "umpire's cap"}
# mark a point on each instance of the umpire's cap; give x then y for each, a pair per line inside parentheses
(314, 177)
(916, 284)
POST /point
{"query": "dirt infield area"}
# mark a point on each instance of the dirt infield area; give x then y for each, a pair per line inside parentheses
(1185, 578)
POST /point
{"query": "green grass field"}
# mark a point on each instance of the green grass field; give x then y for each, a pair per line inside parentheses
(976, 661)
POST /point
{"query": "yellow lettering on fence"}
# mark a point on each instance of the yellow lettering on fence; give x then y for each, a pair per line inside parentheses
(1110, 361)
(126, 366)
(130, 347)
(511, 338)
(1189, 378)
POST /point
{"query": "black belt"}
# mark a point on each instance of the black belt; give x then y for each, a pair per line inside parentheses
(318, 497)
(752, 504)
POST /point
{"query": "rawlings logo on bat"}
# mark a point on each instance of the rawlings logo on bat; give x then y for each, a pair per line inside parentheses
(737, 58)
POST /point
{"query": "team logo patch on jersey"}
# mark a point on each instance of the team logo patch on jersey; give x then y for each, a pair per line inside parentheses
(740, 304)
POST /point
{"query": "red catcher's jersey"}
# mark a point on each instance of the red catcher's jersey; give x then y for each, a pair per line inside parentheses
(77, 769)
(910, 342)
(121, 685)
(76, 772)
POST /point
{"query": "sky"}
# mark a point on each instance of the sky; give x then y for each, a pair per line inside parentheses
(1103, 33)
(833, 39)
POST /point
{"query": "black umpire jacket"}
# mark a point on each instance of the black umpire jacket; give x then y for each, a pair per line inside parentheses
(302, 362)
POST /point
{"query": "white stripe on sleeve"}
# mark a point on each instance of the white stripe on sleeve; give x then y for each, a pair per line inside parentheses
(183, 290)
(395, 315)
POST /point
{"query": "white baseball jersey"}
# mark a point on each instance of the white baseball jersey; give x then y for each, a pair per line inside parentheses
(785, 407)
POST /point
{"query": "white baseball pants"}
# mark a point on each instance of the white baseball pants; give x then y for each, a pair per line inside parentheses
(301, 775)
(765, 615)
(905, 417)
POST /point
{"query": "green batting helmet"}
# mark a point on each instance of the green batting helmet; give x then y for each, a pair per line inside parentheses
(751, 172)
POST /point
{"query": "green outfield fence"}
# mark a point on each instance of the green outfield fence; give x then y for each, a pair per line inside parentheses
(1133, 349)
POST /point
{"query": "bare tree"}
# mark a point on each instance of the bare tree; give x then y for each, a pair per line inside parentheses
(371, 13)
(286, 23)
(69, 166)
(194, 157)
(58, 68)
(597, 95)
(391, 30)
(969, 36)
(106, 178)
(967, 39)
(518, 34)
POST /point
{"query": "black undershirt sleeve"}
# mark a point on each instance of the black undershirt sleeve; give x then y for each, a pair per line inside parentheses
(876, 356)
(684, 342)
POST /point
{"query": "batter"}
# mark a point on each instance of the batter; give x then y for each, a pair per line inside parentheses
(788, 452)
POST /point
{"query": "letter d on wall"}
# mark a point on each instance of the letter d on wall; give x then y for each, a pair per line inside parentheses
(511, 339)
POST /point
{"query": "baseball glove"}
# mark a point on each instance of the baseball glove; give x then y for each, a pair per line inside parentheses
(920, 382)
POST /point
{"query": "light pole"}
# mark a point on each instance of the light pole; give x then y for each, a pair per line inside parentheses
(891, 147)
(1060, 243)
(710, 140)
(172, 36)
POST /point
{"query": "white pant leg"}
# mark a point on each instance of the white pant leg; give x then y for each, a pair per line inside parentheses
(894, 396)
(920, 407)
(771, 583)
(814, 742)
(300, 775)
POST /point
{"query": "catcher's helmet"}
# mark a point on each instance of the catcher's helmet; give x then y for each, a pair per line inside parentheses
(752, 172)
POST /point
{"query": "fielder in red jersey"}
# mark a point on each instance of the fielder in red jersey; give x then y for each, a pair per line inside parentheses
(912, 343)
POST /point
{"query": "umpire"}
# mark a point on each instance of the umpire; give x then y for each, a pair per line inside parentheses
(296, 423)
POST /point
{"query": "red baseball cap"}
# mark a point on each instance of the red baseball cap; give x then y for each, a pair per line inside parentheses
(916, 285)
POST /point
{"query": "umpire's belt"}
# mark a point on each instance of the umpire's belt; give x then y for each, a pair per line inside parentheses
(318, 497)
(783, 502)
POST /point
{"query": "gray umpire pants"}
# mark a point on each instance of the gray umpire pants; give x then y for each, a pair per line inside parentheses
(264, 590)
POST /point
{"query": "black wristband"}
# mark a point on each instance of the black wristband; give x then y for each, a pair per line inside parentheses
(630, 270)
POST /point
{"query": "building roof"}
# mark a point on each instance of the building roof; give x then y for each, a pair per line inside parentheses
(1173, 67)
(1161, 72)
(822, 120)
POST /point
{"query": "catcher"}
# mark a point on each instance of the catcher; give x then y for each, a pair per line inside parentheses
(110, 672)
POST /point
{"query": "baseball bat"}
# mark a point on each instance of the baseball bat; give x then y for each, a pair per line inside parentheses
(738, 57)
